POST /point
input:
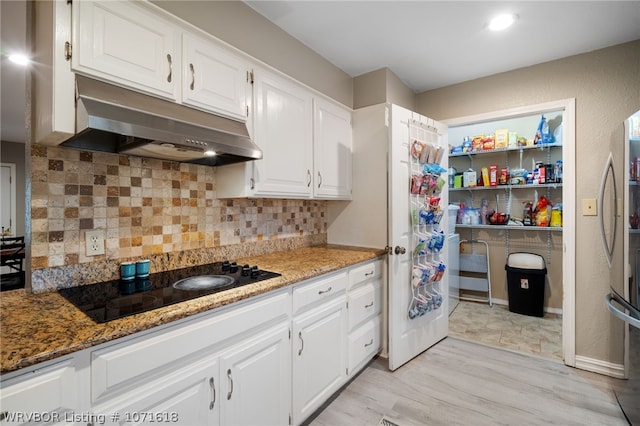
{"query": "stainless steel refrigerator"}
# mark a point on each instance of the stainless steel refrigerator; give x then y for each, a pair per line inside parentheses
(623, 301)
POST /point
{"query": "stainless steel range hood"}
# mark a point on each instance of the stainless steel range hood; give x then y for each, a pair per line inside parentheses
(113, 119)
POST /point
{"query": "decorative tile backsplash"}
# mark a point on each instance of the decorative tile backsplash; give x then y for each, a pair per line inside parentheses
(148, 208)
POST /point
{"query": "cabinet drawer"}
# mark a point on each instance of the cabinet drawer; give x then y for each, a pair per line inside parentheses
(314, 292)
(364, 303)
(364, 343)
(365, 272)
(125, 365)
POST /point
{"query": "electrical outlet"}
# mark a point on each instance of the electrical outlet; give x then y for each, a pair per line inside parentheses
(589, 207)
(94, 242)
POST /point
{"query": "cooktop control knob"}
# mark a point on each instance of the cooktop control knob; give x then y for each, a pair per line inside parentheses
(255, 272)
(226, 265)
(246, 269)
(233, 268)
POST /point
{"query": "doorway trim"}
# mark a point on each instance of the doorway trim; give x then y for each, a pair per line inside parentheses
(12, 196)
(568, 106)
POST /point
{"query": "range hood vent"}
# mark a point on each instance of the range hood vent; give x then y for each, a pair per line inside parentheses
(113, 119)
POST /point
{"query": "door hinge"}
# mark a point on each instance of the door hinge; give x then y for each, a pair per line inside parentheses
(346, 371)
(289, 418)
(347, 304)
(250, 77)
(67, 50)
(247, 110)
(289, 334)
(69, 1)
(388, 250)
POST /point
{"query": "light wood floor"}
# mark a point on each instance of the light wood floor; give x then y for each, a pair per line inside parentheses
(458, 382)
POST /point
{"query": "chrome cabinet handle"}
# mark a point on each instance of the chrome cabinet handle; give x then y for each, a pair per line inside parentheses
(319, 179)
(369, 305)
(170, 68)
(324, 291)
(308, 178)
(252, 183)
(193, 77)
(367, 274)
(213, 393)
(369, 344)
(231, 384)
(302, 343)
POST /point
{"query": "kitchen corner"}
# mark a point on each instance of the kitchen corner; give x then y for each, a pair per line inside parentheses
(41, 327)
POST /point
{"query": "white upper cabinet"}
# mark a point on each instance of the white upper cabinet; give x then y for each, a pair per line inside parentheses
(134, 44)
(306, 141)
(214, 79)
(282, 129)
(331, 150)
(128, 44)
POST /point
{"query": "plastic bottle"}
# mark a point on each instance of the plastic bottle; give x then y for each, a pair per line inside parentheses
(484, 211)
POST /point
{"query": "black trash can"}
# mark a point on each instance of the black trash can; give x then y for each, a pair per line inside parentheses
(526, 273)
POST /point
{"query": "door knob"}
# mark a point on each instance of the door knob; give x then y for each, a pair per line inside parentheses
(400, 250)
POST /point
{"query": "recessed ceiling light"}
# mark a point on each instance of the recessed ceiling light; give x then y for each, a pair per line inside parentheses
(502, 22)
(18, 58)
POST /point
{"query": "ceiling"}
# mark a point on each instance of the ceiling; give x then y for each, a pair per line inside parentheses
(13, 16)
(427, 44)
(431, 44)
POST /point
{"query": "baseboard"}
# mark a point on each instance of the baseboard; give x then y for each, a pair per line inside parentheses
(600, 367)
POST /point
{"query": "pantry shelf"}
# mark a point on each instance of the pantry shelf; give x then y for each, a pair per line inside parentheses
(540, 147)
(513, 227)
(506, 187)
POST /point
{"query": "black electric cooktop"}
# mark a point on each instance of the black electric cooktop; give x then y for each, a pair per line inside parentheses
(110, 300)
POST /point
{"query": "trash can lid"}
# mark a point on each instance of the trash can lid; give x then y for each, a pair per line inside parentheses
(525, 261)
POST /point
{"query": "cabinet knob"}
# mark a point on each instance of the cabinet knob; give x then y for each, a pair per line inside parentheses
(400, 250)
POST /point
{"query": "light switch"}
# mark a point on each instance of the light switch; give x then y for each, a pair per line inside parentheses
(589, 207)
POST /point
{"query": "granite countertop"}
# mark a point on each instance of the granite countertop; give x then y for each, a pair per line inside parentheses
(40, 327)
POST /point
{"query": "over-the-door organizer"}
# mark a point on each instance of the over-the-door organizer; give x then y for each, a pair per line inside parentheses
(425, 154)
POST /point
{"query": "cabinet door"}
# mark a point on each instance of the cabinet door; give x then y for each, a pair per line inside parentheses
(47, 395)
(331, 151)
(256, 380)
(187, 396)
(126, 43)
(319, 356)
(214, 78)
(282, 128)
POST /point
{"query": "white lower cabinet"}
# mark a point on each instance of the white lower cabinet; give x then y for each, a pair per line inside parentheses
(319, 350)
(42, 395)
(269, 360)
(185, 396)
(232, 367)
(255, 380)
(365, 306)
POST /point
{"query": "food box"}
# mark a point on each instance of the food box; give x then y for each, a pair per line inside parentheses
(493, 175)
(469, 179)
(502, 138)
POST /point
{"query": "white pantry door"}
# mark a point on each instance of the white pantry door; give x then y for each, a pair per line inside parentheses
(408, 337)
